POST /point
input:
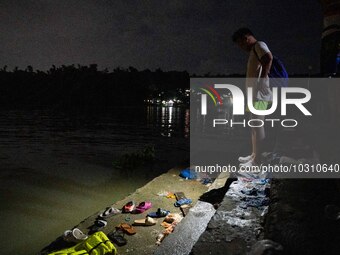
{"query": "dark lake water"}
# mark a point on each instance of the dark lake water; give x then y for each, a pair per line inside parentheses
(57, 168)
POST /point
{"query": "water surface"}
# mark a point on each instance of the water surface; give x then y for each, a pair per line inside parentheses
(57, 168)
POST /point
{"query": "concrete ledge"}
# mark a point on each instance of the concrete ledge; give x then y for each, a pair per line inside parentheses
(186, 234)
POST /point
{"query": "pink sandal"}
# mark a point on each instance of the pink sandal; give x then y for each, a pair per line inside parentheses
(128, 207)
(142, 207)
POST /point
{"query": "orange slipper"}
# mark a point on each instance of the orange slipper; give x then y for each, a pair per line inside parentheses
(165, 224)
(127, 228)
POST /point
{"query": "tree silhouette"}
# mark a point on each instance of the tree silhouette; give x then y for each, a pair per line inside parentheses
(86, 87)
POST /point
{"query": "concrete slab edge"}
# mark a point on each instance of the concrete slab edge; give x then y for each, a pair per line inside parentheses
(186, 234)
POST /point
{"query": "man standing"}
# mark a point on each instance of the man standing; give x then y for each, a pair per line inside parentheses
(258, 67)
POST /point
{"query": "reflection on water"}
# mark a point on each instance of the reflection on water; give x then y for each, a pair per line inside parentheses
(166, 121)
(172, 121)
(56, 168)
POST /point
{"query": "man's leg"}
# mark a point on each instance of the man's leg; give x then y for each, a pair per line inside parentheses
(253, 141)
(258, 135)
(250, 157)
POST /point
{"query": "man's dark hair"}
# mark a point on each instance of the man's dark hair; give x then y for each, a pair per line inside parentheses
(240, 33)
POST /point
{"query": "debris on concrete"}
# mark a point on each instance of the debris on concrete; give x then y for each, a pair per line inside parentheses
(238, 222)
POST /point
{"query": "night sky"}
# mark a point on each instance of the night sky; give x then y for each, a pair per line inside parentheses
(173, 35)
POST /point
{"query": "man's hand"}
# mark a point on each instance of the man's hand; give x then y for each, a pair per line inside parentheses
(262, 86)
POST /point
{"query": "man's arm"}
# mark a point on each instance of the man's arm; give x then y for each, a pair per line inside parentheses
(266, 63)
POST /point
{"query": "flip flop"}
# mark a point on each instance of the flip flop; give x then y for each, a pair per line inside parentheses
(142, 207)
(109, 211)
(160, 213)
(183, 201)
(117, 237)
(127, 228)
(148, 221)
(129, 207)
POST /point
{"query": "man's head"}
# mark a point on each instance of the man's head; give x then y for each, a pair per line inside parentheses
(244, 38)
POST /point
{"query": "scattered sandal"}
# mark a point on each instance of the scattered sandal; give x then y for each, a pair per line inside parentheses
(98, 225)
(148, 221)
(109, 211)
(75, 235)
(117, 237)
(127, 228)
(160, 213)
(129, 207)
(170, 195)
(165, 224)
(142, 207)
(173, 217)
(183, 201)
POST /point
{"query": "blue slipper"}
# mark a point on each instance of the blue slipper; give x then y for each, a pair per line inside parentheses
(160, 213)
(188, 174)
(183, 201)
